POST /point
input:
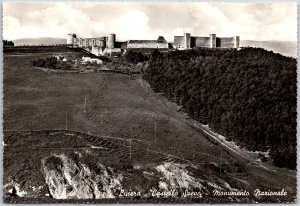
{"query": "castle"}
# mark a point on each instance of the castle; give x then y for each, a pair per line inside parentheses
(107, 46)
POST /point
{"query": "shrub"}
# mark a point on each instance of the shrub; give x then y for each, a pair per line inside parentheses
(135, 57)
(52, 63)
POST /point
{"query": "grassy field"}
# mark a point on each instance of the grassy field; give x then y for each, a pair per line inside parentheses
(115, 106)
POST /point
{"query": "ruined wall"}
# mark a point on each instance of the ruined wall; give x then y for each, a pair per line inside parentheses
(84, 43)
(179, 42)
(90, 42)
(101, 42)
(112, 52)
(98, 51)
(147, 45)
(110, 42)
(202, 42)
(225, 42)
(80, 43)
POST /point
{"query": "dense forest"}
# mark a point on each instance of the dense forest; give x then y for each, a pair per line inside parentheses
(247, 95)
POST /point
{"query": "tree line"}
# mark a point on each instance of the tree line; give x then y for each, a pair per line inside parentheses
(52, 63)
(247, 95)
(7, 43)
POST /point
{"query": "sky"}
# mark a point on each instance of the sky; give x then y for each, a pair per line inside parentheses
(274, 21)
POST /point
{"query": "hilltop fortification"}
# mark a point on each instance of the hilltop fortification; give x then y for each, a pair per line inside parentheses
(108, 45)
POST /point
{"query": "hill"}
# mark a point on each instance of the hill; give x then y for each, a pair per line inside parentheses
(120, 135)
(39, 41)
(286, 48)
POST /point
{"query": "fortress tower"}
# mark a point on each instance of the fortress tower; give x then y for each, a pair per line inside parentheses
(187, 40)
(111, 39)
(236, 41)
(71, 40)
(102, 42)
(212, 41)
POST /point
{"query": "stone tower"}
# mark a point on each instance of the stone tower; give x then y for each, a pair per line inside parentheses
(236, 42)
(111, 41)
(71, 40)
(187, 40)
(212, 40)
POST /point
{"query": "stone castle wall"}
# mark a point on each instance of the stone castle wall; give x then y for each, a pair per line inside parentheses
(225, 42)
(179, 42)
(148, 45)
(102, 45)
(202, 42)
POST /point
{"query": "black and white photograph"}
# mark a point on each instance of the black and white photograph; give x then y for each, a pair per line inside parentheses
(165, 102)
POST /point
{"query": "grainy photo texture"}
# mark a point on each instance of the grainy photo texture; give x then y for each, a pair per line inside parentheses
(149, 103)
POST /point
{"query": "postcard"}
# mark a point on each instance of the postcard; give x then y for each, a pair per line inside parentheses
(111, 102)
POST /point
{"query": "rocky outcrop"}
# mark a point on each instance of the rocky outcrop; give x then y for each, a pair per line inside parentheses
(68, 179)
(176, 176)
